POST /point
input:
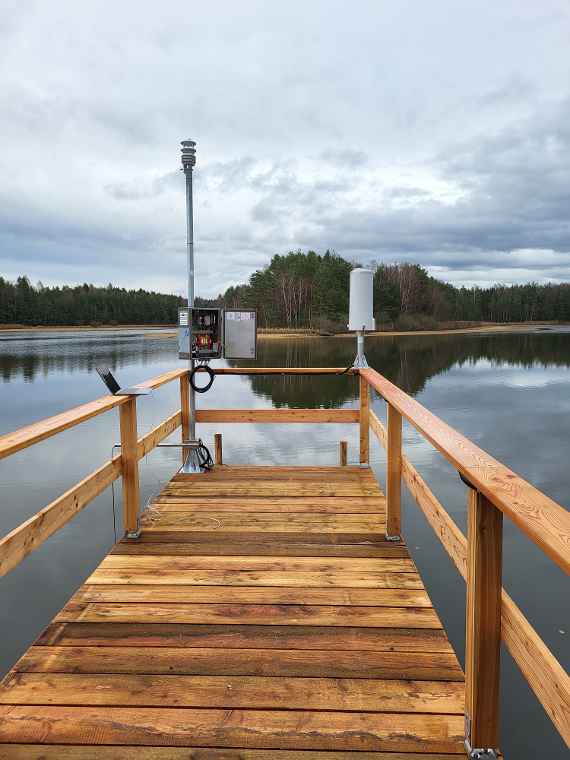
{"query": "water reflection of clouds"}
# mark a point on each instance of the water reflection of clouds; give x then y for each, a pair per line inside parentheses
(485, 372)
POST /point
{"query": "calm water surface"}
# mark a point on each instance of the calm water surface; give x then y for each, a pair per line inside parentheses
(508, 393)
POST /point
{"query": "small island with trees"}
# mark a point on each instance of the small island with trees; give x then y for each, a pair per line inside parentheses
(296, 291)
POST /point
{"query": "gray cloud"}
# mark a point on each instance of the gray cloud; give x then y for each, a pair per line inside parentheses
(395, 132)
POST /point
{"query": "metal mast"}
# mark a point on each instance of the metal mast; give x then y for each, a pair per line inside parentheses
(188, 164)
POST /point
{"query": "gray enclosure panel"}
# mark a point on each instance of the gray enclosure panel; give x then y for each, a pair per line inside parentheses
(240, 333)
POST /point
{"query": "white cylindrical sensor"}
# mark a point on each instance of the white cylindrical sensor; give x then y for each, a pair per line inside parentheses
(361, 316)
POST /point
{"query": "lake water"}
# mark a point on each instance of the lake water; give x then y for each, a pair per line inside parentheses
(510, 393)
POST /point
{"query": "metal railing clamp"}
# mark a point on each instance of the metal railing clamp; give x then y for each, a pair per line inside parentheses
(477, 753)
(133, 535)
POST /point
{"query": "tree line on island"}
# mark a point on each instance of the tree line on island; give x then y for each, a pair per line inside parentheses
(309, 290)
(296, 290)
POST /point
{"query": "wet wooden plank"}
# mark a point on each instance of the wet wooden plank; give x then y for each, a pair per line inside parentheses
(246, 637)
(254, 595)
(235, 728)
(293, 578)
(239, 536)
(419, 666)
(260, 548)
(158, 565)
(297, 474)
(69, 752)
(251, 692)
(277, 504)
(273, 488)
(252, 614)
(222, 522)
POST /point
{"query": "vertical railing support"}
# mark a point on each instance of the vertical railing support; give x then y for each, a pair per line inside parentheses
(483, 623)
(218, 456)
(364, 420)
(343, 453)
(185, 411)
(130, 462)
(394, 476)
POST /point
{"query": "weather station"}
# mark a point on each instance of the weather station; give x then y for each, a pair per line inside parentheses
(361, 312)
(206, 333)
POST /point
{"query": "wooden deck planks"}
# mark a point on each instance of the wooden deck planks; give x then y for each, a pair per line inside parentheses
(261, 613)
(279, 729)
(246, 636)
(428, 666)
(69, 752)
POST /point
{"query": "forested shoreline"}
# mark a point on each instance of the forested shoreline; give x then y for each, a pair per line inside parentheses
(310, 290)
(22, 303)
(297, 290)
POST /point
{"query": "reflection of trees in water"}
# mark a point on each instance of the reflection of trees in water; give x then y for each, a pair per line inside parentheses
(408, 361)
(28, 359)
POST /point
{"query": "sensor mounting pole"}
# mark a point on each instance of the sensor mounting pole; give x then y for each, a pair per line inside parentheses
(360, 358)
(188, 164)
(192, 463)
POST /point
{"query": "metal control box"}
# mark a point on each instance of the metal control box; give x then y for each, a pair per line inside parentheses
(240, 334)
(200, 333)
(205, 334)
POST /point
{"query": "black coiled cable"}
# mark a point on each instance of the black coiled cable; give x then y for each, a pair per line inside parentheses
(202, 388)
(204, 456)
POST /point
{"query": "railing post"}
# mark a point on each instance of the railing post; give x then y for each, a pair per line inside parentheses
(364, 420)
(218, 457)
(394, 475)
(343, 453)
(185, 411)
(483, 622)
(130, 462)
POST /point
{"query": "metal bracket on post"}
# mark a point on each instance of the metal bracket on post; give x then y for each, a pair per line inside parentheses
(192, 463)
(360, 359)
(477, 753)
(133, 535)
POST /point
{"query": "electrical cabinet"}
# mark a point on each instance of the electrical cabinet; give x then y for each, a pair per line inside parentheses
(200, 333)
(240, 334)
(205, 334)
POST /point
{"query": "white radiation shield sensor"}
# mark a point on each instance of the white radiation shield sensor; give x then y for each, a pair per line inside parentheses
(361, 316)
(361, 310)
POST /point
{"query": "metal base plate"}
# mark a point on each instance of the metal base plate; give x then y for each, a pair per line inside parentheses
(192, 463)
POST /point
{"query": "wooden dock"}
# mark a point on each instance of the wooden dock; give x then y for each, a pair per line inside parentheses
(262, 614)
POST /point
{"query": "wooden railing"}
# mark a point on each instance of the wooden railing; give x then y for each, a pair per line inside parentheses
(30, 535)
(494, 491)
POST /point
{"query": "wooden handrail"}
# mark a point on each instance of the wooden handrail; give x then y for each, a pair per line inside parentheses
(540, 518)
(285, 371)
(539, 666)
(280, 416)
(24, 437)
(30, 535)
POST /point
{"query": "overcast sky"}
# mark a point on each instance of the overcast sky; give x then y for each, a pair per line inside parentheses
(392, 130)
